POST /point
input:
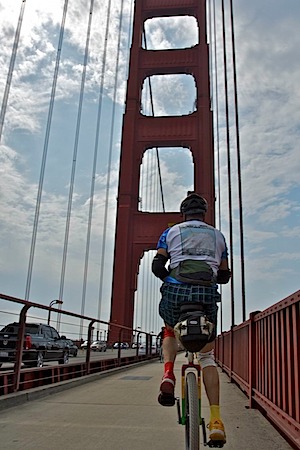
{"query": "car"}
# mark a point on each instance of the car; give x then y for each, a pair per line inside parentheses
(42, 343)
(99, 346)
(73, 349)
(84, 345)
(123, 345)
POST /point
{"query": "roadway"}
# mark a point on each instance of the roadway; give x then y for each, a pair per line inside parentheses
(119, 411)
(81, 356)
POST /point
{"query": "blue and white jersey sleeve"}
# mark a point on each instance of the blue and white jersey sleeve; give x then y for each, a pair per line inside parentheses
(225, 251)
(162, 242)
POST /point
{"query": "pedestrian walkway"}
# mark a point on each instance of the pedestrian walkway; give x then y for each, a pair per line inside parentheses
(121, 412)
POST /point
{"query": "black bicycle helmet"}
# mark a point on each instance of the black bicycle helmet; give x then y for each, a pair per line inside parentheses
(193, 204)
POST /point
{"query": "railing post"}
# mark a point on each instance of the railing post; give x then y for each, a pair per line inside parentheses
(252, 358)
(88, 349)
(20, 345)
(231, 353)
(138, 343)
(119, 346)
(147, 343)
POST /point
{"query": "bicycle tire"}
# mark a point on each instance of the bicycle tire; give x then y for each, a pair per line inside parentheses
(191, 413)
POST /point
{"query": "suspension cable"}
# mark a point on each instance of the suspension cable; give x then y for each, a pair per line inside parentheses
(141, 278)
(45, 150)
(92, 192)
(216, 106)
(217, 115)
(152, 110)
(238, 153)
(74, 162)
(11, 67)
(228, 163)
(211, 84)
(116, 71)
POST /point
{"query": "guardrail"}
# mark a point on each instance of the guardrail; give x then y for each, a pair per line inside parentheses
(262, 356)
(19, 379)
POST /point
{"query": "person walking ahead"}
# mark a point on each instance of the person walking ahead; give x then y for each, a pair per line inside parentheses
(198, 260)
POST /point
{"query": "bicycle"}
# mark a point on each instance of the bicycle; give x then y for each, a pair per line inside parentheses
(189, 409)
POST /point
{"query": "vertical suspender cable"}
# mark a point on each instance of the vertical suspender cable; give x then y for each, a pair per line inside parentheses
(150, 290)
(211, 84)
(216, 106)
(142, 285)
(109, 164)
(217, 115)
(129, 32)
(88, 239)
(45, 150)
(141, 277)
(212, 69)
(145, 297)
(75, 151)
(152, 110)
(238, 167)
(136, 299)
(228, 163)
(145, 196)
(156, 290)
(11, 67)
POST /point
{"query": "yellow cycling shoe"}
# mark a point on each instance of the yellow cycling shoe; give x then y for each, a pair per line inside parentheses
(216, 430)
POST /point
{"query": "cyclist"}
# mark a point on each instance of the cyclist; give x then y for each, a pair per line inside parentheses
(198, 255)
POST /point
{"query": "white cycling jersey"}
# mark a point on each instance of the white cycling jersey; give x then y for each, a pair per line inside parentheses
(196, 240)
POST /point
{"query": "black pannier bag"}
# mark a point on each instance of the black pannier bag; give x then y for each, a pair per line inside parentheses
(194, 330)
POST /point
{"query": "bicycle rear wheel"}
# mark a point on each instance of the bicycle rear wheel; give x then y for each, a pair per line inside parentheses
(191, 413)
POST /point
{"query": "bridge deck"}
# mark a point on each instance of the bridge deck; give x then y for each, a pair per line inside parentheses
(120, 412)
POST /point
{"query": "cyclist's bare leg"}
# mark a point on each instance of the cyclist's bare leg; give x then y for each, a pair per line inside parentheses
(211, 379)
(169, 346)
(167, 385)
(212, 387)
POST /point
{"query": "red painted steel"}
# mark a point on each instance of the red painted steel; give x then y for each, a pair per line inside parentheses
(137, 232)
(295, 357)
(271, 375)
(20, 379)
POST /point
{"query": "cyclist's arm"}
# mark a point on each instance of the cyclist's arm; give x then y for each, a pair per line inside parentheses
(224, 264)
(224, 273)
(159, 262)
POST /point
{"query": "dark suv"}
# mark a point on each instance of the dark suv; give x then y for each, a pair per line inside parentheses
(41, 343)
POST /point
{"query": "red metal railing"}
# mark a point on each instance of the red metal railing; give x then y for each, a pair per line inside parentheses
(19, 379)
(262, 356)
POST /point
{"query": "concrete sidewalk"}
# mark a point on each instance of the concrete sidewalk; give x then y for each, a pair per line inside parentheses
(121, 412)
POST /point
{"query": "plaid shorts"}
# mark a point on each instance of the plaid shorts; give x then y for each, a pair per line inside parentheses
(173, 295)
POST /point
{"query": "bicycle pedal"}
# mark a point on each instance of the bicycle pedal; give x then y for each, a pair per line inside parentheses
(166, 399)
(215, 444)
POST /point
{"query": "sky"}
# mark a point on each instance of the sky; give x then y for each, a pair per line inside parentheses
(267, 44)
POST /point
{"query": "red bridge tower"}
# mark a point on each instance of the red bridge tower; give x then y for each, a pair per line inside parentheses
(138, 231)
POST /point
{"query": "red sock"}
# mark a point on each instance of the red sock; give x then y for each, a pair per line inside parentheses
(169, 366)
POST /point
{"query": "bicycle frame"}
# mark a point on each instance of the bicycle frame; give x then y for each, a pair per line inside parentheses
(197, 369)
(194, 367)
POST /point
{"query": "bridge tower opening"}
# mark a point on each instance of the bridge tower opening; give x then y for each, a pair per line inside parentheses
(137, 231)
